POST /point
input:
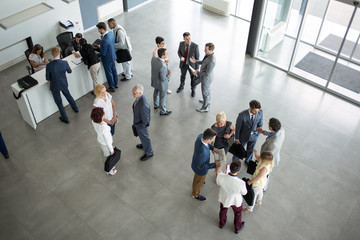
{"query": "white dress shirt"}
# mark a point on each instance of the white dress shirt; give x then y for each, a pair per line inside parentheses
(106, 105)
(104, 136)
(231, 189)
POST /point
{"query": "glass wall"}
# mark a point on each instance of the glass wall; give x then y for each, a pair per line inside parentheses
(303, 38)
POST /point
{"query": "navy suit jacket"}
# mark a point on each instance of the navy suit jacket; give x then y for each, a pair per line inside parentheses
(244, 127)
(201, 157)
(107, 48)
(141, 111)
(56, 74)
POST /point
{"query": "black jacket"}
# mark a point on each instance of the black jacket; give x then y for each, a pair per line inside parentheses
(88, 54)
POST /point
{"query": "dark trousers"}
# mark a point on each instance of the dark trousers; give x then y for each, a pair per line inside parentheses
(250, 145)
(111, 74)
(112, 129)
(3, 148)
(237, 216)
(58, 101)
(185, 68)
(145, 139)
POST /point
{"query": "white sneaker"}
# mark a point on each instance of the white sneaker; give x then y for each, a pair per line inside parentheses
(201, 100)
(258, 203)
(169, 91)
(112, 172)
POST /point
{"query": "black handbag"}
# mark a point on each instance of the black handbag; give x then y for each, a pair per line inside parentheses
(122, 55)
(238, 150)
(25, 83)
(249, 197)
(229, 141)
(251, 167)
(112, 160)
(134, 130)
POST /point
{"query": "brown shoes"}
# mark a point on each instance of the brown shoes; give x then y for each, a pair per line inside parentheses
(110, 90)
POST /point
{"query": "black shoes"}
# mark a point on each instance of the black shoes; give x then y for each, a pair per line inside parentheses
(139, 146)
(146, 157)
(165, 113)
(200, 198)
(179, 89)
(64, 120)
(156, 108)
(125, 79)
(193, 93)
(242, 227)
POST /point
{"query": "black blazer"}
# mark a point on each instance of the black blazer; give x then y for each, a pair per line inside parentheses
(88, 55)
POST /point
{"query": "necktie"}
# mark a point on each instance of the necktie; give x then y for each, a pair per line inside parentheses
(252, 118)
(205, 57)
(186, 53)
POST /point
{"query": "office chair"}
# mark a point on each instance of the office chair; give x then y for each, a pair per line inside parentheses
(63, 40)
(29, 68)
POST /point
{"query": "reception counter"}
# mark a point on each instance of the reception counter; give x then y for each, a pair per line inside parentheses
(37, 103)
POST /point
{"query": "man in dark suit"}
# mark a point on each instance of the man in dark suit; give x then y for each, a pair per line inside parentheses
(74, 45)
(141, 111)
(246, 126)
(160, 76)
(56, 74)
(187, 49)
(201, 161)
(108, 56)
(206, 75)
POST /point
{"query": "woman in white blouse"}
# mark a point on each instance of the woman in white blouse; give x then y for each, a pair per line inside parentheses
(104, 100)
(104, 137)
(37, 58)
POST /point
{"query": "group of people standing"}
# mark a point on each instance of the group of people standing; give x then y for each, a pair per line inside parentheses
(217, 139)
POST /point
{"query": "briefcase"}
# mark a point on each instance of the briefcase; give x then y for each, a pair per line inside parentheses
(112, 160)
(251, 167)
(238, 150)
(25, 83)
(123, 55)
(249, 197)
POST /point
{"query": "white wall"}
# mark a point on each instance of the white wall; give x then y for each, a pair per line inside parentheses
(43, 29)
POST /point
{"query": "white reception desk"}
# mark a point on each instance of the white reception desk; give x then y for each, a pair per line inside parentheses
(37, 103)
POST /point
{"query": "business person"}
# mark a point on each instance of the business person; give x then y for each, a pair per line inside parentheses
(230, 195)
(108, 56)
(201, 161)
(90, 59)
(56, 74)
(206, 75)
(160, 76)
(141, 112)
(160, 43)
(74, 45)
(37, 58)
(246, 126)
(187, 49)
(122, 41)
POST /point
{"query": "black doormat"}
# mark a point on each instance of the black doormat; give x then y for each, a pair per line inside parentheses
(333, 42)
(343, 76)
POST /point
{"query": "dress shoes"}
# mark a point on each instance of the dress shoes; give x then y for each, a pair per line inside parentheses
(76, 110)
(242, 227)
(125, 79)
(156, 108)
(165, 113)
(116, 86)
(202, 101)
(146, 157)
(6, 156)
(200, 198)
(202, 109)
(193, 93)
(123, 74)
(110, 90)
(139, 146)
(92, 93)
(179, 89)
(64, 120)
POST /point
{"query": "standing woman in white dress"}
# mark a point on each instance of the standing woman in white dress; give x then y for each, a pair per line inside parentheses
(104, 100)
(104, 136)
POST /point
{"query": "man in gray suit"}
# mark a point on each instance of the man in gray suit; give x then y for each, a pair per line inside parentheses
(206, 75)
(160, 76)
(141, 111)
(275, 139)
(247, 123)
(187, 49)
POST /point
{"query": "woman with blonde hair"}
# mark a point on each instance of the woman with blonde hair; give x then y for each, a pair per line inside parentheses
(104, 100)
(264, 167)
(37, 58)
(224, 134)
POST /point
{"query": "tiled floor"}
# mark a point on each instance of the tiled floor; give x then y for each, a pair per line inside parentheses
(54, 187)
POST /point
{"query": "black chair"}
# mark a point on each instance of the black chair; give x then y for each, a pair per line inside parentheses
(27, 54)
(63, 40)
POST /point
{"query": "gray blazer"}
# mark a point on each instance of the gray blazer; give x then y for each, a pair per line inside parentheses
(159, 74)
(141, 112)
(207, 68)
(273, 144)
(244, 127)
(193, 51)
